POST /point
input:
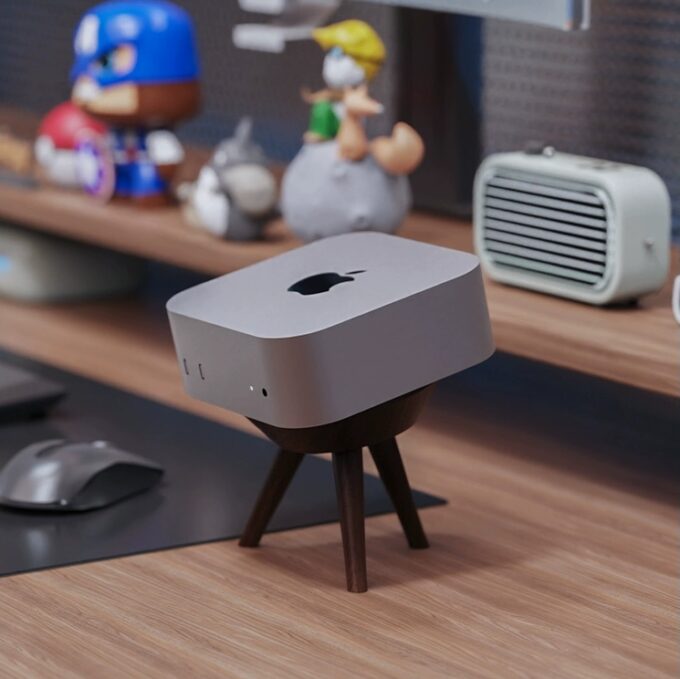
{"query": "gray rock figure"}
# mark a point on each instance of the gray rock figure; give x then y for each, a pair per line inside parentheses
(324, 194)
(235, 194)
(350, 183)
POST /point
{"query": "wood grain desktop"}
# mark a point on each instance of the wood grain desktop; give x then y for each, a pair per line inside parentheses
(553, 558)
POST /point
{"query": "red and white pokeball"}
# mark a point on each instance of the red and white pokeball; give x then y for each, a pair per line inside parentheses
(59, 135)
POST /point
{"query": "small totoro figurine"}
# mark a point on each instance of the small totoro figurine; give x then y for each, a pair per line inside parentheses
(235, 194)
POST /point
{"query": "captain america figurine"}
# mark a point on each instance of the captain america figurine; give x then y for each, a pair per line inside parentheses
(136, 69)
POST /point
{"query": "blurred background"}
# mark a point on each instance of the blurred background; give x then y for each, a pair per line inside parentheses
(610, 92)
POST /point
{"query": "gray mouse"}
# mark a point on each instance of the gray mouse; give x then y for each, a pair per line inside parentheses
(59, 475)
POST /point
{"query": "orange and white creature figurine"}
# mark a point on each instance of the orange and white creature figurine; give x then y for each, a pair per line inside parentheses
(401, 153)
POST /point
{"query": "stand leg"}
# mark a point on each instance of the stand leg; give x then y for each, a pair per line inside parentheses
(391, 469)
(348, 469)
(280, 476)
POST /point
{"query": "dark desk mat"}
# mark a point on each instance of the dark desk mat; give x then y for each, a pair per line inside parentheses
(212, 477)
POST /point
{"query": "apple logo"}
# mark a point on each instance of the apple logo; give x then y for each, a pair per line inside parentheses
(322, 282)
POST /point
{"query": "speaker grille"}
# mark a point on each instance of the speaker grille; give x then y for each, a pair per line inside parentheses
(544, 226)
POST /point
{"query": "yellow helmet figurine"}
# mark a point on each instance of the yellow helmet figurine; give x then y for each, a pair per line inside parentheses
(357, 40)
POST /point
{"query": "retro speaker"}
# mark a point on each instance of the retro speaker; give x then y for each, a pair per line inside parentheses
(587, 229)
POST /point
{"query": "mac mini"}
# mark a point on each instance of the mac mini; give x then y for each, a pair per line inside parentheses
(331, 329)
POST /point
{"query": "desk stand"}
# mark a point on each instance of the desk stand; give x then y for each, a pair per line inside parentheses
(376, 428)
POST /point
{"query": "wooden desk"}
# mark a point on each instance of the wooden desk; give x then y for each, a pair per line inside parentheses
(553, 557)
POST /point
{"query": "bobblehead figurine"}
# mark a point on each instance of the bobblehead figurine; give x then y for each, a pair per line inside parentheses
(136, 69)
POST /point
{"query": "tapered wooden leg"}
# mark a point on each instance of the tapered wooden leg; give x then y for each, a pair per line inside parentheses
(348, 470)
(281, 474)
(391, 469)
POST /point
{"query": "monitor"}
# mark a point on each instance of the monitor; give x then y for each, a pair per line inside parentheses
(564, 14)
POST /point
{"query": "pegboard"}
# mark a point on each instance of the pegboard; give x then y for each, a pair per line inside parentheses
(36, 54)
(612, 92)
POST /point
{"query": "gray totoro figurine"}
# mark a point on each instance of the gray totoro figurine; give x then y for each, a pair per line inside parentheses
(235, 194)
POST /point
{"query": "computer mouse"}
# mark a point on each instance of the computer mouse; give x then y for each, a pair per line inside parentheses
(60, 475)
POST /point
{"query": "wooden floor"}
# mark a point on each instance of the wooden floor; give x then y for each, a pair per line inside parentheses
(557, 555)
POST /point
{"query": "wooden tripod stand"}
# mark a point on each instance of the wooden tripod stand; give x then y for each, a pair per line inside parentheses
(376, 428)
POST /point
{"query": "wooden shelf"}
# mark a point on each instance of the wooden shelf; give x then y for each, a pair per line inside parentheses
(160, 234)
(638, 346)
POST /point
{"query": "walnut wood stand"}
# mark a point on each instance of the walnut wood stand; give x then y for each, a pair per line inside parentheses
(376, 428)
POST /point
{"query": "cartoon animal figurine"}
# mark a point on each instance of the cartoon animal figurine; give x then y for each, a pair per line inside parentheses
(136, 69)
(343, 182)
(55, 144)
(354, 56)
(235, 194)
(398, 154)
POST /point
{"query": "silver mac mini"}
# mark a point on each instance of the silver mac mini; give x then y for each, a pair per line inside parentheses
(331, 329)
(333, 347)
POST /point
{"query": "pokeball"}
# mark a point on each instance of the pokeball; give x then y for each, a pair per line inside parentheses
(58, 137)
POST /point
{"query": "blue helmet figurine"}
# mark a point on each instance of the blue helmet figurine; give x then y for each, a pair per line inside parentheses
(136, 63)
(136, 69)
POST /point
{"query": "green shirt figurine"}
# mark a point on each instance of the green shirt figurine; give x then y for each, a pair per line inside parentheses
(354, 55)
(323, 121)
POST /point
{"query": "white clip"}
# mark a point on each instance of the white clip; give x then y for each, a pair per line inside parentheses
(296, 19)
